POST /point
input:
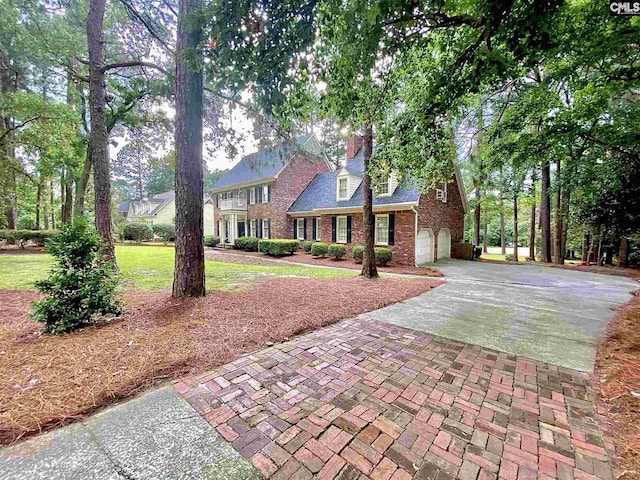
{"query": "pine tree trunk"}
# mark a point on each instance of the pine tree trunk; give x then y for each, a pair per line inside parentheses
(52, 206)
(502, 234)
(12, 203)
(68, 198)
(189, 278)
(477, 217)
(545, 212)
(485, 237)
(623, 256)
(532, 227)
(558, 257)
(81, 186)
(369, 269)
(38, 203)
(99, 138)
(515, 228)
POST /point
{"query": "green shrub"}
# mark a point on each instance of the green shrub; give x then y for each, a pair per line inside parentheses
(357, 252)
(250, 244)
(278, 246)
(509, 257)
(307, 246)
(319, 249)
(165, 231)
(80, 286)
(22, 237)
(477, 252)
(211, 240)
(138, 232)
(337, 251)
(383, 255)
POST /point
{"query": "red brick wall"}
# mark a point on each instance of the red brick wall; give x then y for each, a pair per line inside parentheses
(434, 214)
(293, 179)
(404, 238)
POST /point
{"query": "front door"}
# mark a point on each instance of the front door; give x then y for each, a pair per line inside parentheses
(241, 229)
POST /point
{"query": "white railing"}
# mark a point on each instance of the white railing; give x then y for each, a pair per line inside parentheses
(233, 204)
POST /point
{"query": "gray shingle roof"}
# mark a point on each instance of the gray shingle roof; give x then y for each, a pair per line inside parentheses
(123, 207)
(321, 192)
(262, 164)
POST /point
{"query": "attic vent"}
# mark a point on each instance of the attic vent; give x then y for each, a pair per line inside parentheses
(441, 193)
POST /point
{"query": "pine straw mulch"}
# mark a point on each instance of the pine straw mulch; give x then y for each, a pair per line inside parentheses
(47, 381)
(618, 369)
(254, 258)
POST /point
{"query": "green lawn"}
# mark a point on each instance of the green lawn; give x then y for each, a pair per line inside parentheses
(148, 268)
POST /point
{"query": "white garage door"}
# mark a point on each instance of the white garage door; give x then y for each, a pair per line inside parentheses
(444, 244)
(424, 247)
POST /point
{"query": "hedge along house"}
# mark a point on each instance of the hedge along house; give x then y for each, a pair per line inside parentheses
(161, 208)
(418, 226)
(253, 197)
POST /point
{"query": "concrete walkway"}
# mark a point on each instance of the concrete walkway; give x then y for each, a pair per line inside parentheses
(549, 314)
(155, 436)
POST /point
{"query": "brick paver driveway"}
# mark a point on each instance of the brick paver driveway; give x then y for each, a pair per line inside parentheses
(367, 399)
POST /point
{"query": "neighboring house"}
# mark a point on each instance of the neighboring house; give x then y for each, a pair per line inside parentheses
(123, 209)
(161, 208)
(253, 197)
(419, 226)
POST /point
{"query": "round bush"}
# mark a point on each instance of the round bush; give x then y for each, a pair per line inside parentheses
(357, 252)
(165, 231)
(307, 246)
(383, 255)
(211, 240)
(337, 251)
(319, 249)
(138, 232)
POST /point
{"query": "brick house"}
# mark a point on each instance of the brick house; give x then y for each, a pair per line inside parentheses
(294, 193)
(253, 197)
(418, 226)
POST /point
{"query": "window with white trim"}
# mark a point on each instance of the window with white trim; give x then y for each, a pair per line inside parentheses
(341, 229)
(300, 228)
(317, 220)
(265, 193)
(265, 229)
(383, 187)
(343, 188)
(252, 196)
(382, 230)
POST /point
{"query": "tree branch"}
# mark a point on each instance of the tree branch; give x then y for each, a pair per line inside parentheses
(18, 127)
(133, 63)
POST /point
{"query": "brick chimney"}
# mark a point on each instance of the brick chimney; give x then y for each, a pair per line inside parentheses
(354, 144)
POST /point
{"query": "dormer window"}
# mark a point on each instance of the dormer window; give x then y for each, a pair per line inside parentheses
(343, 188)
(383, 187)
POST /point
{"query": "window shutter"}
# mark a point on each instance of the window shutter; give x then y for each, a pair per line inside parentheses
(268, 228)
(295, 228)
(392, 227)
(333, 229)
(259, 228)
(258, 194)
(313, 229)
(305, 228)
(268, 193)
(348, 228)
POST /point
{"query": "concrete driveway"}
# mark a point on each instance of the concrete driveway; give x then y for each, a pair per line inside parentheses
(548, 314)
